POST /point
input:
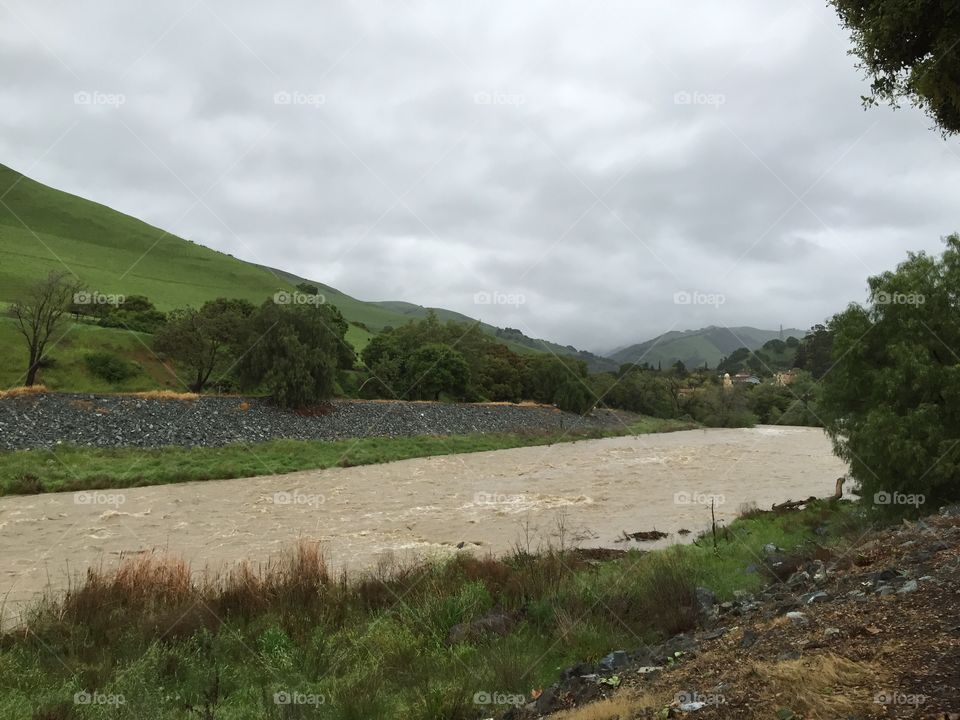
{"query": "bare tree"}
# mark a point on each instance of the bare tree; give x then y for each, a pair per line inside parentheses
(38, 314)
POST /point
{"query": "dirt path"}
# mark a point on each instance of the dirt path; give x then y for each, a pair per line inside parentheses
(488, 501)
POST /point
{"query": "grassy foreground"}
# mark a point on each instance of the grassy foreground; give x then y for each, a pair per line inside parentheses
(154, 642)
(74, 468)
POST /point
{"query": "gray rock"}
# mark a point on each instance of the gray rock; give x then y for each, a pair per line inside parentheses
(814, 597)
(908, 587)
(51, 419)
(797, 617)
(614, 661)
(706, 599)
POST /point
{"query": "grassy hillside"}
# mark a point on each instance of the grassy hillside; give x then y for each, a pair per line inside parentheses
(69, 371)
(694, 347)
(43, 229)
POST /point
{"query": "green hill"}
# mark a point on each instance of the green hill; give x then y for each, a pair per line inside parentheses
(43, 229)
(694, 347)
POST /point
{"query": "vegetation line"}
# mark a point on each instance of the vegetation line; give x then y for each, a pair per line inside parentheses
(82, 468)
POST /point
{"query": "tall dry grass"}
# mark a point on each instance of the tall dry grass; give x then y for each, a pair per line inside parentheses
(23, 390)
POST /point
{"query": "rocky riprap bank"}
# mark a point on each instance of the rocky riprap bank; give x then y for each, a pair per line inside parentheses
(871, 630)
(50, 419)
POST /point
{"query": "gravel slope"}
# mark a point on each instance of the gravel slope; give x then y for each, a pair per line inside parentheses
(50, 419)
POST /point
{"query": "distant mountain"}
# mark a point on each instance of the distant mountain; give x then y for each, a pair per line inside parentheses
(695, 347)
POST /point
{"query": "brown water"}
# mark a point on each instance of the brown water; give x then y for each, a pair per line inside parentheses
(589, 491)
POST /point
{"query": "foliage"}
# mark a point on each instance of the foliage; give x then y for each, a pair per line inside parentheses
(295, 352)
(39, 314)
(908, 50)
(172, 645)
(438, 369)
(109, 367)
(815, 352)
(543, 376)
(793, 404)
(891, 403)
(716, 406)
(207, 340)
(573, 396)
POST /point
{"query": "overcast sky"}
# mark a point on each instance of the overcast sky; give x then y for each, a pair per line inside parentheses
(592, 173)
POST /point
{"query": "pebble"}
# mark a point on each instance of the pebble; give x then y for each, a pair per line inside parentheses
(51, 419)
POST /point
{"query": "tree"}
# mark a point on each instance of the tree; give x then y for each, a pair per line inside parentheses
(437, 369)
(206, 340)
(295, 351)
(573, 396)
(499, 376)
(891, 402)
(38, 315)
(815, 351)
(908, 49)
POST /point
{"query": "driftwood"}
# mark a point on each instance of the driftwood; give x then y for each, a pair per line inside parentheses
(797, 504)
(642, 535)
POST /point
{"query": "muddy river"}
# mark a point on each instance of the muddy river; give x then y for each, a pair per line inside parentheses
(589, 491)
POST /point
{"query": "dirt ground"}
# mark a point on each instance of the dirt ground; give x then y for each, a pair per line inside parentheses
(863, 652)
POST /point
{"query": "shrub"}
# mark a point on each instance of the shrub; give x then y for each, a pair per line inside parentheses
(109, 367)
(573, 397)
(890, 399)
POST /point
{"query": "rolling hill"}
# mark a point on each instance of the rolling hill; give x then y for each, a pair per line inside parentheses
(695, 347)
(43, 229)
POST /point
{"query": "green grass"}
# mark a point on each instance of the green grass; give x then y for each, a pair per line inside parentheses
(111, 252)
(43, 229)
(161, 646)
(69, 371)
(74, 468)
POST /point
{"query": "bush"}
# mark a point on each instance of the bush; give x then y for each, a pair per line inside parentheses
(573, 397)
(109, 367)
(891, 401)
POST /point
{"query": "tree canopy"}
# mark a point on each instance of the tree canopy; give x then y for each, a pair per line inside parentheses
(908, 49)
(891, 401)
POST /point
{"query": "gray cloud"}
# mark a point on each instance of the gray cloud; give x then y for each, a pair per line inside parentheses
(595, 159)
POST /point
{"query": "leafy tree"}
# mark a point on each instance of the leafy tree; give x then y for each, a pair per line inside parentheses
(39, 313)
(206, 340)
(815, 351)
(735, 361)
(573, 396)
(543, 375)
(295, 352)
(437, 369)
(716, 406)
(908, 49)
(308, 289)
(137, 304)
(500, 374)
(891, 403)
(775, 346)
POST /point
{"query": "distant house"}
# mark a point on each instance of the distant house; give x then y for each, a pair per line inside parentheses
(743, 378)
(785, 378)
